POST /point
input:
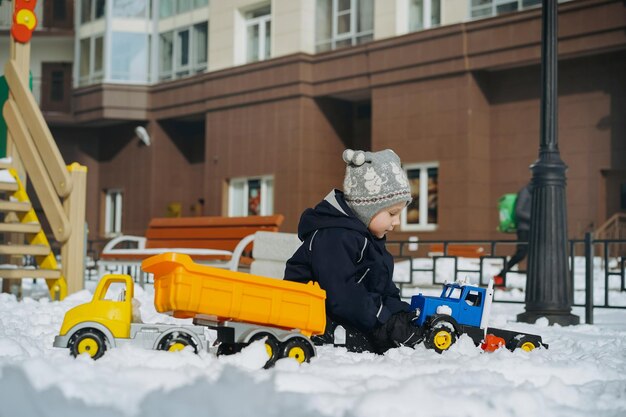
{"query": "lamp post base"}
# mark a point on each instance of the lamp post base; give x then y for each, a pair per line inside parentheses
(562, 318)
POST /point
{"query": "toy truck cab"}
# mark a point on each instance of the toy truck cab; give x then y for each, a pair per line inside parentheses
(114, 315)
(465, 303)
(103, 323)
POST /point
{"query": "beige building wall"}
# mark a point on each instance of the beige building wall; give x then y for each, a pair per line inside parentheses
(391, 18)
(293, 29)
(454, 11)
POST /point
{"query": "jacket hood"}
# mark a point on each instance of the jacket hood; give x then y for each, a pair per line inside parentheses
(331, 212)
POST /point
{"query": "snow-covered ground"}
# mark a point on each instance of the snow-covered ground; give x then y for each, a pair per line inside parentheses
(583, 373)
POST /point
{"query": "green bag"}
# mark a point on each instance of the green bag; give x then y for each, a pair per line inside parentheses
(506, 209)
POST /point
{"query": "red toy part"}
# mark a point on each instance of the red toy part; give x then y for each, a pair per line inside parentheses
(24, 20)
(492, 343)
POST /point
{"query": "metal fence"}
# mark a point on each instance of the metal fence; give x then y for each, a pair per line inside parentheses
(597, 255)
(594, 253)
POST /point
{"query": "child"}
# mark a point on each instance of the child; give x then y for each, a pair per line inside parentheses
(344, 250)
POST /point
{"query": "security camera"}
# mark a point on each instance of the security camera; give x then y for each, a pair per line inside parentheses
(143, 135)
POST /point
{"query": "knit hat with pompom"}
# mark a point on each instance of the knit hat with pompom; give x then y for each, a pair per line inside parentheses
(374, 181)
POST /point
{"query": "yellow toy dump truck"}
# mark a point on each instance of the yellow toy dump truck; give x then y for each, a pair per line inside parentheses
(242, 308)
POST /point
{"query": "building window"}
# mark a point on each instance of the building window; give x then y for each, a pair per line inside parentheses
(251, 196)
(91, 10)
(129, 57)
(56, 86)
(91, 68)
(98, 57)
(486, 8)
(341, 23)
(130, 8)
(166, 54)
(169, 8)
(258, 34)
(183, 52)
(201, 46)
(184, 5)
(58, 14)
(113, 212)
(422, 213)
(424, 14)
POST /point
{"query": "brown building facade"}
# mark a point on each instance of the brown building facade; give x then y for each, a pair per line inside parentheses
(459, 104)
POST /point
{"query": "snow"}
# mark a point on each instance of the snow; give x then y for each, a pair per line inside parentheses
(582, 373)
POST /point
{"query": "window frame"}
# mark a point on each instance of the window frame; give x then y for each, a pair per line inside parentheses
(92, 76)
(427, 15)
(176, 9)
(492, 7)
(113, 200)
(265, 207)
(179, 70)
(261, 22)
(193, 66)
(92, 11)
(352, 35)
(423, 224)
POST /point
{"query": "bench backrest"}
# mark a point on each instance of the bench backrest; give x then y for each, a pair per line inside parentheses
(210, 232)
(271, 253)
(464, 251)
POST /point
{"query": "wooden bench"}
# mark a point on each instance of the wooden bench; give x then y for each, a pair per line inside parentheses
(464, 251)
(216, 241)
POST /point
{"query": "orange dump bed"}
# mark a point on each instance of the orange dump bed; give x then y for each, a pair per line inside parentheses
(187, 289)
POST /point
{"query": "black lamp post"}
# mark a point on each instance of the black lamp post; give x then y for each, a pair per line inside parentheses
(549, 291)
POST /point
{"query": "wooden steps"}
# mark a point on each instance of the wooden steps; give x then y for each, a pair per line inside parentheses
(8, 186)
(34, 250)
(20, 273)
(18, 206)
(20, 227)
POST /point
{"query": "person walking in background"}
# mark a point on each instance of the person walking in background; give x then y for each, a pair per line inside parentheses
(522, 214)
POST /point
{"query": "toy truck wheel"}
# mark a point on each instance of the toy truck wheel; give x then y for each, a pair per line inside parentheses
(524, 343)
(229, 348)
(440, 338)
(298, 349)
(271, 345)
(176, 341)
(90, 341)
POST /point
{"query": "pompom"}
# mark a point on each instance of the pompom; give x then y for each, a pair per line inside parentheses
(347, 155)
(359, 158)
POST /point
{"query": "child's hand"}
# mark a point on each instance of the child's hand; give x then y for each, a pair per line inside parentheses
(399, 330)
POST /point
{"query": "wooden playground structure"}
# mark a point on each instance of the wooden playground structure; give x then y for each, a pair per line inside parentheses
(33, 155)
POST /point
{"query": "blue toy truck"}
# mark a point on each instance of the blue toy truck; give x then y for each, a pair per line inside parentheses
(464, 309)
(460, 309)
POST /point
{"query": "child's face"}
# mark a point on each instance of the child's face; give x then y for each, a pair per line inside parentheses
(385, 220)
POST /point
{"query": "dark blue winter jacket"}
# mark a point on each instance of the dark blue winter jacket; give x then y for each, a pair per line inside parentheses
(350, 263)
